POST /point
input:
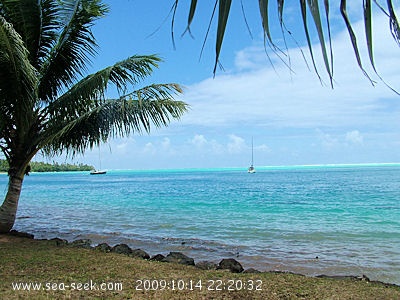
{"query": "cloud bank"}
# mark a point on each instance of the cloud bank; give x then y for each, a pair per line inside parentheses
(293, 118)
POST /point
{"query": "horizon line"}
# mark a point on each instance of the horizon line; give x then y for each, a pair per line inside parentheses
(266, 167)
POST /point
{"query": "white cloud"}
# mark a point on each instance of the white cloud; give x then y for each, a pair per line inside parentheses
(122, 147)
(354, 137)
(198, 140)
(250, 59)
(149, 148)
(262, 148)
(262, 97)
(327, 140)
(236, 144)
(166, 143)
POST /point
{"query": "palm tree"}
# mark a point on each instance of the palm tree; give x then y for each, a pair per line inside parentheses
(46, 102)
(320, 14)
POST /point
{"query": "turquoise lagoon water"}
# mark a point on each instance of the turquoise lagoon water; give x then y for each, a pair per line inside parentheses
(334, 220)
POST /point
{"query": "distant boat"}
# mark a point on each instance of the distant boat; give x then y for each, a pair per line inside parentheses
(251, 169)
(98, 172)
(95, 172)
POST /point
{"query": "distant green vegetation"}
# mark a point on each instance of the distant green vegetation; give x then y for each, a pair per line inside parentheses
(46, 167)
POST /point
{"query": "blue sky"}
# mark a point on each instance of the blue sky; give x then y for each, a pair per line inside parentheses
(293, 118)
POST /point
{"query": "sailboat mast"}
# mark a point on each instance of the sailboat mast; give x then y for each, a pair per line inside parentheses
(99, 158)
(251, 168)
(252, 152)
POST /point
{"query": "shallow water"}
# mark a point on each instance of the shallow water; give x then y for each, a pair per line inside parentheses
(336, 220)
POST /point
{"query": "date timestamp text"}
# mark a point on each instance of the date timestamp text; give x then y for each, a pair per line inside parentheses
(192, 285)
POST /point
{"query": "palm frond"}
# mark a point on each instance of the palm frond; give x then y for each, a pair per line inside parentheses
(328, 24)
(394, 24)
(48, 31)
(152, 105)
(314, 9)
(74, 47)
(353, 38)
(368, 30)
(80, 98)
(23, 15)
(263, 5)
(305, 25)
(132, 70)
(17, 76)
(223, 14)
(156, 92)
(17, 87)
(36, 22)
(192, 10)
(321, 23)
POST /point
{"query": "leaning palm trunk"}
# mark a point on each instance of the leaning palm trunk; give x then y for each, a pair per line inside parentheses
(46, 103)
(8, 209)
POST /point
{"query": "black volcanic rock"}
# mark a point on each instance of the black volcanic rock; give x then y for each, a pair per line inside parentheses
(179, 258)
(140, 253)
(121, 249)
(230, 264)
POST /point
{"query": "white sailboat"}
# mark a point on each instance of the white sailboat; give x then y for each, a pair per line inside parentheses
(100, 171)
(251, 169)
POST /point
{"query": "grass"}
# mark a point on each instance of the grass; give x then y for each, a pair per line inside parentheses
(61, 269)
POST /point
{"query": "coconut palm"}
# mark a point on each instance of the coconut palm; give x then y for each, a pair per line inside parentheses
(319, 12)
(47, 104)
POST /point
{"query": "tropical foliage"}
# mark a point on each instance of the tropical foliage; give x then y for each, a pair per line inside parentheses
(313, 13)
(46, 101)
(38, 166)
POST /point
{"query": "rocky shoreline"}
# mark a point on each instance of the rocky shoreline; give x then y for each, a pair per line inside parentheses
(229, 264)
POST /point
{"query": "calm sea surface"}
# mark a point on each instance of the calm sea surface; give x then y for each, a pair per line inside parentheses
(334, 220)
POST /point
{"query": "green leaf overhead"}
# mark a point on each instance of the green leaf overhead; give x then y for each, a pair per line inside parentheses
(192, 10)
(74, 47)
(315, 15)
(368, 29)
(394, 24)
(223, 14)
(353, 38)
